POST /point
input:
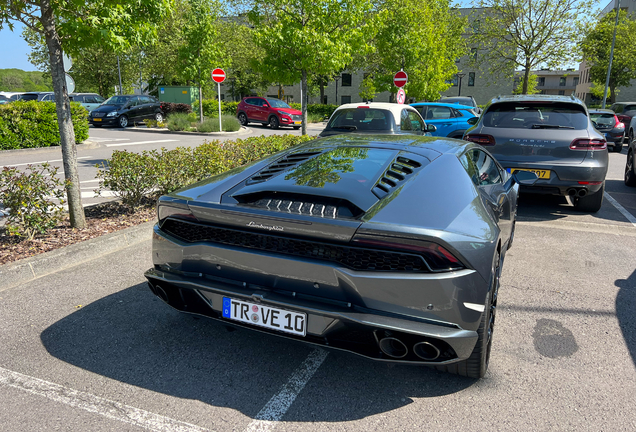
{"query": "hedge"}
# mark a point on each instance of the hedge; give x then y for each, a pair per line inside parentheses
(34, 124)
(211, 108)
(132, 176)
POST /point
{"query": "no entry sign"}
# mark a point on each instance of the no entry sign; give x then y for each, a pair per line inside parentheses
(218, 75)
(400, 79)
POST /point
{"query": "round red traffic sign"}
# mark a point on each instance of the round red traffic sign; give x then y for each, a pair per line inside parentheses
(401, 96)
(400, 79)
(218, 75)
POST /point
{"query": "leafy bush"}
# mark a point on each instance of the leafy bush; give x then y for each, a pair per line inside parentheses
(170, 108)
(27, 196)
(34, 124)
(150, 123)
(230, 124)
(130, 176)
(133, 175)
(179, 122)
(315, 118)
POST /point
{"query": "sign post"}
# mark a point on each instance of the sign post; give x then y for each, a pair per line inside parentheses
(218, 76)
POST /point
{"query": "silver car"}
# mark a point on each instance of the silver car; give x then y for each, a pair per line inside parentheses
(551, 136)
(387, 246)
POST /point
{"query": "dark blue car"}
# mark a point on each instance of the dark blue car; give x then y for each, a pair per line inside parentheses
(451, 120)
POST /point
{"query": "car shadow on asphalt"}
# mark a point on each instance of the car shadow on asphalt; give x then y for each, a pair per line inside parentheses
(626, 312)
(133, 337)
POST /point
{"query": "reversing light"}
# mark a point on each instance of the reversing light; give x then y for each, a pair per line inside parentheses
(436, 256)
(481, 139)
(588, 144)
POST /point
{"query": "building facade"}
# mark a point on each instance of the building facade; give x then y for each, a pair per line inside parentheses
(559, 82)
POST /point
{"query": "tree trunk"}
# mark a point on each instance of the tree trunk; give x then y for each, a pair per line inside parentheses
(303, 102)
(64, 121)
(322, 91)
(612, 95)
(526, 77)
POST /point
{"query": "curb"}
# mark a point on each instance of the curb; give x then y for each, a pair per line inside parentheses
(241, 131)
(88, 144)
(29, 269)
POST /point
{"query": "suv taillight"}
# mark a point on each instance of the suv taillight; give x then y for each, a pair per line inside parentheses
(618, 124)
(481, 139)
(588, 144)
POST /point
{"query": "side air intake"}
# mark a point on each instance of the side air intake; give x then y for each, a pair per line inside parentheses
(281, 165)
(395, 175)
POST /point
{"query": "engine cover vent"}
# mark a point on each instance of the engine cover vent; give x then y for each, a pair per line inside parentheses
(281, 165)
(396, 174)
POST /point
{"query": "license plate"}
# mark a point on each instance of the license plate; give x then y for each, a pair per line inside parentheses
(298, 122)
(97, 119)
(542, 174)
(265, 316)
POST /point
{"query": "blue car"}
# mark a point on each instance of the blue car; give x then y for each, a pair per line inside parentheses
(451, 120)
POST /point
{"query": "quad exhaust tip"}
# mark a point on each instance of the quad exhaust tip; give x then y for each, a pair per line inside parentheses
(393, 347)
(577, 192)
(426, 351)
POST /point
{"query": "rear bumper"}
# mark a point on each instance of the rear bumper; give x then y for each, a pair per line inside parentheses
(350, 311)
(107, 121)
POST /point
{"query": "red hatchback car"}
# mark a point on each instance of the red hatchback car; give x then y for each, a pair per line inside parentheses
(271, 111)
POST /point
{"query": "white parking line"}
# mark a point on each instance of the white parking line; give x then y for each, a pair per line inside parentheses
(630, 217)
(95, 404)
(41, 162)
(278, 405)
(138, 142)
(98, 139)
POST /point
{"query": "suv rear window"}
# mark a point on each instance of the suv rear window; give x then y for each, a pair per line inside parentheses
(361, 119)
(528, 115)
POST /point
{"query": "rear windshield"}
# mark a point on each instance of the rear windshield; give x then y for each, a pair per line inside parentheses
(603, 119)
(630, 108)
(29, 97)
(361, 119)
(536, 116)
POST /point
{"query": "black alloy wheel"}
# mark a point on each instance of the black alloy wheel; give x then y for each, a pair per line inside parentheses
(630, 170)
(273, 122)
(242, 118)
(122, 121)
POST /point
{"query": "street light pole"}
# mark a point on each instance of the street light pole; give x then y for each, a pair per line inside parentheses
(119, 72)
(609, 67)
(460, 76)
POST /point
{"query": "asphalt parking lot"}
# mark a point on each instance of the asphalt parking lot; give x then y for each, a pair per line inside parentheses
(90, 348)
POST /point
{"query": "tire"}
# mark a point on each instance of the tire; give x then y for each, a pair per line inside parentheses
(512, 233)
(296, 127)
(630, 170)
(476, 365)
(618, 147)
(590, 203)
(158, 117)
(242, 118)
(122, 121)
(273, 122)
(630, 136)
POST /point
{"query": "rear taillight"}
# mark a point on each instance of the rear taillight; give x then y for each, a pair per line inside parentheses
(618, 124)
(437, 257)
(481, 139)
(588, 144)
(178, 212)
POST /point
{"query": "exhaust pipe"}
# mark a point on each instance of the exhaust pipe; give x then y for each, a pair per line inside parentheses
(572, 192)
(426, 351)
(161, 293)
(581, 193)
(393, 347)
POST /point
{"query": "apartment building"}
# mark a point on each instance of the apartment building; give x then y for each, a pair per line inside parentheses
(559, 82)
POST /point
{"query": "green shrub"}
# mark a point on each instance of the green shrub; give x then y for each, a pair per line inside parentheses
(150, 123)
(179, 122)
(230, 124)
(131, 176)
(27, 196)
(170, 108)
(34, 124)
(315, 118)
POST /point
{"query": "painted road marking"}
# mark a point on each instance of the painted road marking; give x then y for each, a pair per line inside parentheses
(98, 139)
(278, 405)
(95, 404)
(139, 142)
(41, 162)
(630, 217)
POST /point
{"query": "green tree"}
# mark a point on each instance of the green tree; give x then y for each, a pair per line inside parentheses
(71, 25)
(421, 38)
(530, 33)
(302, 38)
(596, 51)
(531, 88)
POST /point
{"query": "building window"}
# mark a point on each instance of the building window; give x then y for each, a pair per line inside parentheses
(562, 81)
(541, 82)
(471, 79)
(346, 80)
(562, 92)
(575, 81)
(473, 54)
(345, 99)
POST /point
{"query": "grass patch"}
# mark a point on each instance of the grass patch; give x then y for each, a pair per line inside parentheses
(230, 124)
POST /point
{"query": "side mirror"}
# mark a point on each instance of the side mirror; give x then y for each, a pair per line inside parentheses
(525, 178)
(265, 105)
(431, 128)
(473, 120)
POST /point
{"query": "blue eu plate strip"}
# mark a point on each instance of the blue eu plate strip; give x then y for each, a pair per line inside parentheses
(227, 302)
